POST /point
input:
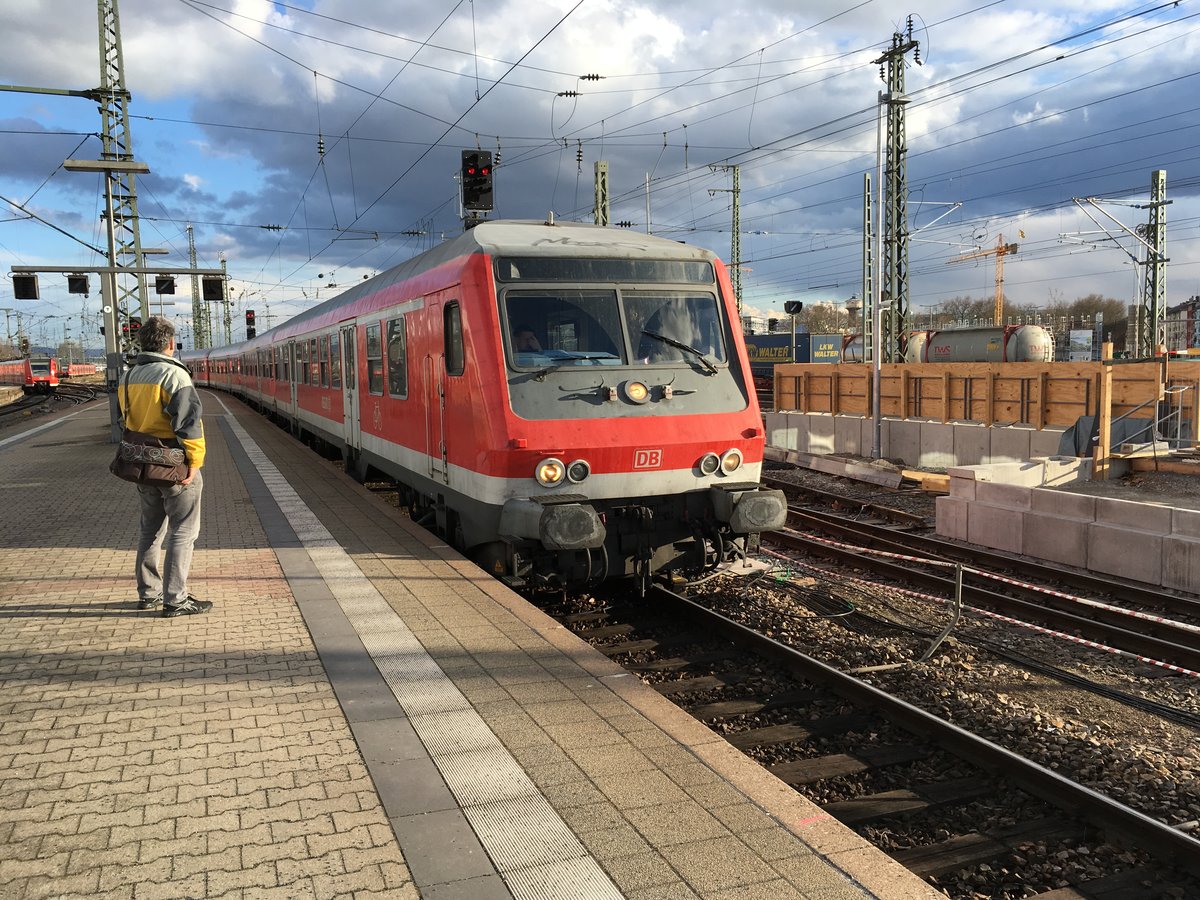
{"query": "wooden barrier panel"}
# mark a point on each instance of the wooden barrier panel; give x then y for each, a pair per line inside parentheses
(1035, 394)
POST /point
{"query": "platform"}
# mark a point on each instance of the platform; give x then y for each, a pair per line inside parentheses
(363, 712)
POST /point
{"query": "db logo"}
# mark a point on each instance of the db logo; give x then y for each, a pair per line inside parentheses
(647, 459)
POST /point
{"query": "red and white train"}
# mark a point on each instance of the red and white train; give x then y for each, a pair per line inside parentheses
(567, 403)
(76, 369)
(38, 375)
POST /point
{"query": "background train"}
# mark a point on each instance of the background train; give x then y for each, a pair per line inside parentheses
(38, 375)
(76, 369)
(620, 437)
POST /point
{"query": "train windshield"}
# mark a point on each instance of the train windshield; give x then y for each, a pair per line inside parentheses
(564, 327)
(550, 329)
(668, 327)
(40, 366)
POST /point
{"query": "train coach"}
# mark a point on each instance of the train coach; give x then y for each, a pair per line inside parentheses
(38, 375)
(566, 403)
(77, 369)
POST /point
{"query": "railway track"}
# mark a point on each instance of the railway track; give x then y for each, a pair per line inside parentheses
(22, 404)
(75, 393)
(915, 784)
(1020, 588)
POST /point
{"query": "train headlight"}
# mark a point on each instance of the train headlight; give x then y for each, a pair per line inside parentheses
(709, 463)
(578, 471)
(731, 461)
(550, 472)
(636, 392)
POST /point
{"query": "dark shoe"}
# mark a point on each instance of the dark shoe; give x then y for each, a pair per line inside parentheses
(149, 604)
(189, 607)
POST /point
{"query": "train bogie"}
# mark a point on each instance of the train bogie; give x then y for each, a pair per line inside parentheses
(566, 403)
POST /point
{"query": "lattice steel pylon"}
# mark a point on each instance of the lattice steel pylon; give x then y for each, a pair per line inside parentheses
(735, 243)
(117, 144)
(201, 315)
(1154, 285)
(894, 217)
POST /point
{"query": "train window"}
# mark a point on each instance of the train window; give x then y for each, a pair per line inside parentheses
(302, 362)
(658, 321)
(456, 362)
(397, 358)
(324, 345)
(351, 368)
(564, 328)
(335, 362)
(374, 360)
(314, 363)
(286, 362)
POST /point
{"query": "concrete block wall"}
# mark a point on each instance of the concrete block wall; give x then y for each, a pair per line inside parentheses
(1001, 496)
(918, 442)
(1011, 507)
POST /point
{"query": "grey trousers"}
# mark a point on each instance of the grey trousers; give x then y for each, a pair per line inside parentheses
(169, 527)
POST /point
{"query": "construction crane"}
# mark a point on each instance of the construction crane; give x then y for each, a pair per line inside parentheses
(1000, 251)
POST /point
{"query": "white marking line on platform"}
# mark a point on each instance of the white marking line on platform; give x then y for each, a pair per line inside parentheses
(533, 849)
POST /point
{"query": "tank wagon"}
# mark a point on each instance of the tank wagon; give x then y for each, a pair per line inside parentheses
(566, 403)
(1008, 343)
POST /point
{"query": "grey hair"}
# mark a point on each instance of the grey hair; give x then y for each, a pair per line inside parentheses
(155, 334)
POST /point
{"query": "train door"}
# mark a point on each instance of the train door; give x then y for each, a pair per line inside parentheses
(435, 416)
(350, 429)
(433, 382)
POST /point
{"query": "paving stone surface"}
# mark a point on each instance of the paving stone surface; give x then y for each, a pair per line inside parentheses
(141, 756)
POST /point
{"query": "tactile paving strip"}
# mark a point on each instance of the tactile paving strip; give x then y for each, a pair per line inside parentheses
(538, 856)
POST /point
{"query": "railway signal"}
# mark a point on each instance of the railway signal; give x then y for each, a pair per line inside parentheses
(477, 179)
(251, 330)
(25, 287)
(213, 288)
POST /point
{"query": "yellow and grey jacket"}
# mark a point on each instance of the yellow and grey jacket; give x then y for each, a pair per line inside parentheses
(164, 402)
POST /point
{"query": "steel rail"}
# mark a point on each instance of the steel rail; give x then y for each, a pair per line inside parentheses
(878, 537)
(1132, 641)
(1126, 590)
(1137, 829)
(888, 512)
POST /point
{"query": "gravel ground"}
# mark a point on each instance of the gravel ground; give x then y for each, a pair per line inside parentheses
(1137, 757)
(1145, 762)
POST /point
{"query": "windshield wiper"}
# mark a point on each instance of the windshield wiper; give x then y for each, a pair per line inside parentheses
(569, 356)
(679, 345)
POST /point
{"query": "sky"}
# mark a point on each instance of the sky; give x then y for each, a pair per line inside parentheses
(316, 142)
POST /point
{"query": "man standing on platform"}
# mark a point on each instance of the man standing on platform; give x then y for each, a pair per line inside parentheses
(161, 400)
